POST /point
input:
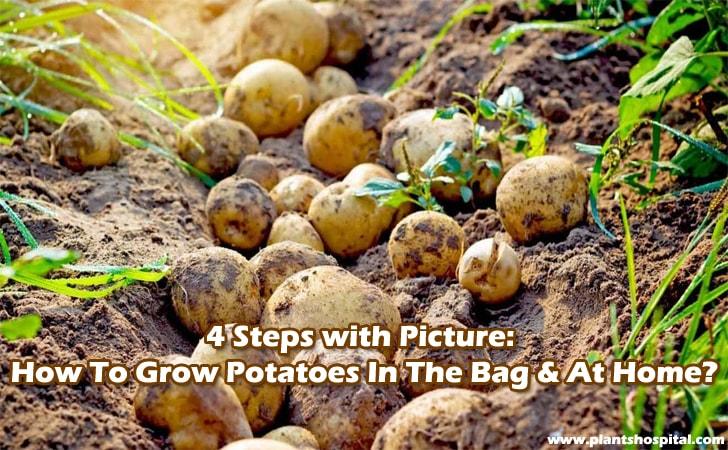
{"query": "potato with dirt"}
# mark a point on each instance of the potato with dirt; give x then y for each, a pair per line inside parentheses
(346, 131)
(86, 140)
(197, 416)
(541, 197)
(240, 212)
(288, 30)
(272, 97)
(491, 271)
(261, 169)
(438, 420)
(258, 444)
(298, 437)
(426, 243)
(328, 83)
(295, 227)
(294, 193)
(348, 224)
(275, 263)
(214, 286)
(343, 417)
(215, 145)
(366, 172)
(347, 33)
(261, 402)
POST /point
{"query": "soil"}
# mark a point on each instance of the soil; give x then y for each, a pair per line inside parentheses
(144, 208)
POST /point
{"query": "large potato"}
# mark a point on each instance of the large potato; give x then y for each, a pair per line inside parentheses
(240, 212)
(261, 402)
(197, 416)
(298, 437)
(347, 34)
(295, 228)
(261, 169)
(329, 297)
(343, 417)
(289, 30)
(328, 83)
(86, 140)
(272, 97)
(347, 223)
(426, 243)
(346, 131)
(439, 420)
(215, 145)
(490, 270)
(275, 263)
(540, 197)
(258, 444)
(294, 193)
(214, 286)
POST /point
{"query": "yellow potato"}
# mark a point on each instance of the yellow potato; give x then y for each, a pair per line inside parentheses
(298, 437)
(295, 228)
(347, 34)
(328, 83)
(541, 197)
(346, 131)
(426, 243)
(490, 270)
(214, 286)
(241, 212)
(261, 169)
(272, 97)
(289, 30)
(294, 193)
(366, 172)
(197, 416)
(215, 145)
(85, 140)
(258, 444)
(348, 224)
(261, 402)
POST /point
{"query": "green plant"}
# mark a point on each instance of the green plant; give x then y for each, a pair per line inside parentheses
(23, 327)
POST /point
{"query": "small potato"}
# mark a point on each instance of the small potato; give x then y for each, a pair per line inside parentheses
(295, 228)
(540, 197)
(347, 223)
(261, 402)
(258, 444)
(289, 30)
(275, 263)
(346, 32)
(346, 131)
(366, 172)
(439, 420)
(241, 212)
(295, 193)
(197, 416)
(490, 270)
(214, 286)
(426, 243)
(298, 437)
(215, 145)
(85, 140)
(329, 297)
(343, 417)
(261, 169)
(329, 83)
(272, 97)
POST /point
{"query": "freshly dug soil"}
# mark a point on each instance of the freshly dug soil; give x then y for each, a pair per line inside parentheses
(144, 208)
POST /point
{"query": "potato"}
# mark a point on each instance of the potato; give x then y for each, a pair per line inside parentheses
(416, 132)
(289, 30)
(240, 212)
(258, 444)
(295, 193)
(347, 34)
(85, 140)
(197, 416)
(490, 270)
(342, 417)
(261, 402)
(328, 83)
(215, 145)
(279, 261)
(541, 197)
(439, 420)
(426, 243)
(272, 97)
(298, 437)
(261, 169)
(295, 228)
(346, 131)
(366, 172)
(214, 286)
(347, 223)
(329, 297)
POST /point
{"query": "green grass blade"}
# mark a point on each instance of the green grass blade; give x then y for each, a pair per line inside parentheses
(629, 251)
(4, 249)
(18, 222)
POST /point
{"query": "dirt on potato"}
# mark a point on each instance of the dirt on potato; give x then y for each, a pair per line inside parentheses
(144, 207)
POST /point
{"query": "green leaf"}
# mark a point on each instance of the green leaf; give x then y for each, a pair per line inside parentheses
(438, 158)
(704, 147)
(42, 260)
(379, 187)
(466, 193)
(445, 113)
(537, 141)
(24, 327)
(396, 199)
(593, 150)
(593, 356)
(487, 108)
(674, 17)
(669, 69)
(494, 167)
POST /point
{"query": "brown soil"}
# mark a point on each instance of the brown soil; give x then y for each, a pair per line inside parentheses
(144, 208)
